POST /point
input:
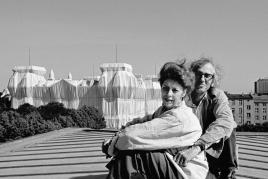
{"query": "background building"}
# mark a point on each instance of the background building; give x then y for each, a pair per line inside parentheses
(261, 86)
(242, 106)
(249, 108)
(117, 93)
(260, 108)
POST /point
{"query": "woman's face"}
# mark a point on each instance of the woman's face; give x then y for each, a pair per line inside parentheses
(172, 93)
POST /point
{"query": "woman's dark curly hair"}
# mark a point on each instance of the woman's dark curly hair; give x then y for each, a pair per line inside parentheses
(176, 72)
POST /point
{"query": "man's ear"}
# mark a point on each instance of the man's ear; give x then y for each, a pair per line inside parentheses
(184, 93)
(213, 83)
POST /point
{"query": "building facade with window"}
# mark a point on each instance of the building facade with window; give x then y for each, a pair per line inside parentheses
(249, 108)
(242, 106)
(261, 108)
(261, 86)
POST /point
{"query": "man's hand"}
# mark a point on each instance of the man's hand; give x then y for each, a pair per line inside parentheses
(183, 157)
(105, 145)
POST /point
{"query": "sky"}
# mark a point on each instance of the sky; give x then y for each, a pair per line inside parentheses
(76, 36)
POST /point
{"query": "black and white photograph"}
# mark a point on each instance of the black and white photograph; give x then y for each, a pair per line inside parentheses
(133, 89)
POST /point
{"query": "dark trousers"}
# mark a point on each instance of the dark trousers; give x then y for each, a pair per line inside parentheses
(228, 158)
(142, 165)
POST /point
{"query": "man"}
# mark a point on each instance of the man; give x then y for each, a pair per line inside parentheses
(212, 108)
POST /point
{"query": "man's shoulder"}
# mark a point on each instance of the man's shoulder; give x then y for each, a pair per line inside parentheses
(216, 93)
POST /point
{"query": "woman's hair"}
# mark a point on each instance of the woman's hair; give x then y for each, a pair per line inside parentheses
(177, 72)
(197, 64)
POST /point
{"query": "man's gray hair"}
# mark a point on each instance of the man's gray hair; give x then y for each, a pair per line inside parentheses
(197, 64)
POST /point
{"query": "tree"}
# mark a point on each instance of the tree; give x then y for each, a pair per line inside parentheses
(15, 126)
(94, 118)
(26, 108)
(52, 110)
(2, 134)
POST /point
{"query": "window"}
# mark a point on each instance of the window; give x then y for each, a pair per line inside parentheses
(240, 119)
(264, 104)
(240, 102)
(256, 110)
(256, 104)
(248, 115)
(264, 110)
(257, 117)
(248, 107)
(233, 110)
(263, 117)
(240, 110)
(233, 102)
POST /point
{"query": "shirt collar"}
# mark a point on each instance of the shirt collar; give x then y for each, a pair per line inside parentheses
(190, 103)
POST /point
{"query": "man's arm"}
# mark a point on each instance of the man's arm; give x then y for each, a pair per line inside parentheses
(224, 124)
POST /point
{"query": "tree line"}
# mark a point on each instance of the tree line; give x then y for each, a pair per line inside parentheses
(29, 120)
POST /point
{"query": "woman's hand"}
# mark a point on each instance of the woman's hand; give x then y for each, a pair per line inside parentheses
(183, 157)
(105, 146)
(137, 121)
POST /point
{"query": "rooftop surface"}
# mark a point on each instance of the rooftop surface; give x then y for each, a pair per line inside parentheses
(75, 153)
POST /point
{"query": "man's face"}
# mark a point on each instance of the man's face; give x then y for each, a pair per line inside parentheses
(204, 78)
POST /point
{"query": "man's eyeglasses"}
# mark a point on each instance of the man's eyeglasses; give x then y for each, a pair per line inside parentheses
(206, 75)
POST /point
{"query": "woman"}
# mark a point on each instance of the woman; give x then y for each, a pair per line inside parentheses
(147, 147)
